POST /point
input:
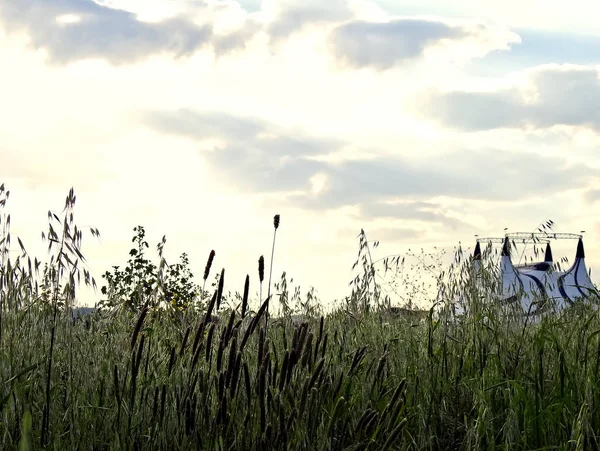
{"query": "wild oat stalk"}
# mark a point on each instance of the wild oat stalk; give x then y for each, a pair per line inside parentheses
(65, 264)
(4, 251)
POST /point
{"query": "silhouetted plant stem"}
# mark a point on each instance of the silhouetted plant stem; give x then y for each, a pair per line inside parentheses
(57, 269)
(276, 220)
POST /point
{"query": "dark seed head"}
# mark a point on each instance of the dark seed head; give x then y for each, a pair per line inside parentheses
(245, 297)
(276, 221)
(220, 288)
(261, 268)
(209, 263)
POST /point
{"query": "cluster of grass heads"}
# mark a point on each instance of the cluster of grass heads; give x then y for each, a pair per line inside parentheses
(225, 378)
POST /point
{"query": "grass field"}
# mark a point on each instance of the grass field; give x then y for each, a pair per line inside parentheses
(214, 376)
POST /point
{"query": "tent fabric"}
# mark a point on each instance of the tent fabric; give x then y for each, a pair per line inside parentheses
(539, 287)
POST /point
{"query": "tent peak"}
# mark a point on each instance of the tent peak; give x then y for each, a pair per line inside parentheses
(548, 257)
(506, 248)
(477, 252)
(580, 251)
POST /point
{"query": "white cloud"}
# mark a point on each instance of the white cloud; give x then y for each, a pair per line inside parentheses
(67, 19)
(258, 118)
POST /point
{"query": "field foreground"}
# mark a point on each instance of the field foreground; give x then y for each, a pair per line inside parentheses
(167, 379)
(161, 367)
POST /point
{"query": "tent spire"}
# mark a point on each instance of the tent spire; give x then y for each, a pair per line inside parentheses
(506, 248)
(548, 257)
(580, 251)
(477, 252)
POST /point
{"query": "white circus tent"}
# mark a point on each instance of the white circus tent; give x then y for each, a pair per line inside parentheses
(541, 286)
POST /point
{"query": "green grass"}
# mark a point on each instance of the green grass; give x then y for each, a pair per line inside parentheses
(463, 385)
(202, 378)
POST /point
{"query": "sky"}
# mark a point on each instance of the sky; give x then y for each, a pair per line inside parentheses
(200, 120)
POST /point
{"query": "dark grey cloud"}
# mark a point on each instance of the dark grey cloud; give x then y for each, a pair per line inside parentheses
(119, 37)
(258, 155)
(235, 40)
(104, 32)
(382, 45)
(285, 163)
(566, 95)
(294, 16)
(239, 131)
(255, 169)
(480, 175)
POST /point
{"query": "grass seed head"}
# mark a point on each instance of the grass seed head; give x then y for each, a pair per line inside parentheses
(220, 288)
(209, 263)
(261, 268)
(245, 296)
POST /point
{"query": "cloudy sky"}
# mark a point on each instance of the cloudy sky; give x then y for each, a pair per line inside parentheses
(424, 125)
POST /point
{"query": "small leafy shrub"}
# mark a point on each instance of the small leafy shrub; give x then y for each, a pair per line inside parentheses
(143, 283)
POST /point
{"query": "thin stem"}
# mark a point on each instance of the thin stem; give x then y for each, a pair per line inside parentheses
(271, 269)
(46, 423)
